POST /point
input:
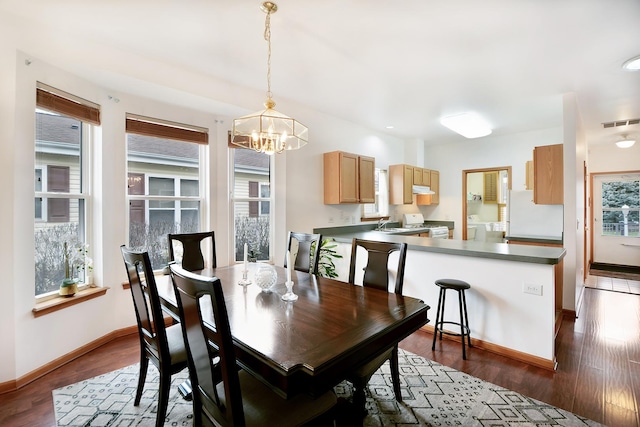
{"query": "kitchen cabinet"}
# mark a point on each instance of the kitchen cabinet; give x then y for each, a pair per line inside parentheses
(421, 176)
(548, 175)
(434, 184)
(400, 184)
(348, 178)
(528, 181)
(559, 282)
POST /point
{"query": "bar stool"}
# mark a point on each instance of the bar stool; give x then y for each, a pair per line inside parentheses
(459, 286)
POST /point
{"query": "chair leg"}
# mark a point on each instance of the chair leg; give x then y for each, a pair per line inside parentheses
(163, 399)
(359, 401)
(395, 374)
(142, 376)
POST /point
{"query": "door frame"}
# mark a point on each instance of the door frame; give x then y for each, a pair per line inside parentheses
(591, 203)
(464, 190)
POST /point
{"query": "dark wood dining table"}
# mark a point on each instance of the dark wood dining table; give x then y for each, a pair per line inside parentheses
(309, 345)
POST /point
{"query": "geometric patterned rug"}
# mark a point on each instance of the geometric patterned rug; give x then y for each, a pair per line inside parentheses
(433, 395)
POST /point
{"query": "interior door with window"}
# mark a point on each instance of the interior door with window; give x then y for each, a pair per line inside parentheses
(616, 206)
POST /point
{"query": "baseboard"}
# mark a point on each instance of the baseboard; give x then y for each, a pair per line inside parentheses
(13, 385)
(504, 351)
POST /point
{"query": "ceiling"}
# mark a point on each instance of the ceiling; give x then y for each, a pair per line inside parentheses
(401, 64)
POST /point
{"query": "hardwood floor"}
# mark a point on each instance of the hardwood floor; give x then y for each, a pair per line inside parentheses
(598, 372)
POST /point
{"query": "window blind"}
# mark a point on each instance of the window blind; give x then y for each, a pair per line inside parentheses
(58, 101)
(147, 126)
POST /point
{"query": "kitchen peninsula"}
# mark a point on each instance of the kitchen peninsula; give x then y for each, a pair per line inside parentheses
(512, 298)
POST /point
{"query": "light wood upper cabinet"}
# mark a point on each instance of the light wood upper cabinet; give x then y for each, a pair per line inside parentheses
(548, 175)
(434, 176)
(421, 176)
(528, 182)
(417, 176)
(348, 178)
(400, 184)
(366, 179)
(434, 184)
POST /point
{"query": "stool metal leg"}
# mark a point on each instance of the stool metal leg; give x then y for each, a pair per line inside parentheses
(438, 319)
(462, 324)
(466, 318)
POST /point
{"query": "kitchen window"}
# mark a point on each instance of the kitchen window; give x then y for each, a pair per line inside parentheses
(380, 208)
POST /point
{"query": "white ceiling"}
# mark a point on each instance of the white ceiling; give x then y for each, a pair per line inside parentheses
(376, 63)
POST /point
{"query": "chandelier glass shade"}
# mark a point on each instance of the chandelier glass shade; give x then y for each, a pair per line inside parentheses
(269, 131)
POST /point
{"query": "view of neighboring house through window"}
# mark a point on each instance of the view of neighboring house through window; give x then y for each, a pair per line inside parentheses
(251, 203)
(163, 180)
(63, 129)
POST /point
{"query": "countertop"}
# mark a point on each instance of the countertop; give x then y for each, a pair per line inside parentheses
(471, 248)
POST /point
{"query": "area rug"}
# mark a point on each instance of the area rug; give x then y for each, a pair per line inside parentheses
(433, 395)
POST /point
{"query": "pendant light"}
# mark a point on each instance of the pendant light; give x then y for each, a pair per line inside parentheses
(269, 131)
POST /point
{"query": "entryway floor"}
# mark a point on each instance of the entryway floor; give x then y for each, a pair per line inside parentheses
(616, 284)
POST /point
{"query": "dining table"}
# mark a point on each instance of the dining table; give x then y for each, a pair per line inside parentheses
(309, 345)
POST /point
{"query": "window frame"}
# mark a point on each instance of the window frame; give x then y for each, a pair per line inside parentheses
(171, 131)
(85, 218)
(259, 200)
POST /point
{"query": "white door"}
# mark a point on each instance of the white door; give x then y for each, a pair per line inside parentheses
(616, 206)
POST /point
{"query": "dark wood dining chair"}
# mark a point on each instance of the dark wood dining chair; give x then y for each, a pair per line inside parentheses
(164, 346)
(239, 399)
(376, 275)
(192, 255)
(308, 251)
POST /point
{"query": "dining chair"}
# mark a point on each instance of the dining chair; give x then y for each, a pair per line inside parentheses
(308, 251)
(163, 345)
(192, 258)
(239, 399)
(376, 275)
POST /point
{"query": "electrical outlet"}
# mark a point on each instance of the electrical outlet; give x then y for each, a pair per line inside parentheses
(331, 220)
(530, 288)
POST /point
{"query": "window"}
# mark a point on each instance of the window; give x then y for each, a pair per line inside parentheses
(164, 183)
(621, 208)
(251, 201)
(381, 206)
(63, 131)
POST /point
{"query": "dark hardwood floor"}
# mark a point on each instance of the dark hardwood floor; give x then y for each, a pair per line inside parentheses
(598, 372)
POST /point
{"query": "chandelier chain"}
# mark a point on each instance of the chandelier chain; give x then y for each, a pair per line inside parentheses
(267, 37)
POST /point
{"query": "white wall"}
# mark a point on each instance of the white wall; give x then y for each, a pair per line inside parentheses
(488, 152)
(298, 177)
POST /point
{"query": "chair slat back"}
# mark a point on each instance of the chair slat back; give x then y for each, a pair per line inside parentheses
(146, 301)
(308, 251)
(376, 271)
(190, 290)
(192, 254)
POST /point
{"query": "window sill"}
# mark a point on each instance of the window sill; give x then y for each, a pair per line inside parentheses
(374, 218)
(58, 303)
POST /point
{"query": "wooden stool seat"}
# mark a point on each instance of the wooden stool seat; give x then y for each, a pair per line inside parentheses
(438, 328)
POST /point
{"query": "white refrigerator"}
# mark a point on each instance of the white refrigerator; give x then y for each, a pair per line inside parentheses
(527, 219)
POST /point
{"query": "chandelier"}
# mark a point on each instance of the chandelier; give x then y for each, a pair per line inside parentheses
(269, 131)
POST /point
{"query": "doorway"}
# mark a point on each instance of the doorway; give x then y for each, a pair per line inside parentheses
(615, 238)
(484, 203)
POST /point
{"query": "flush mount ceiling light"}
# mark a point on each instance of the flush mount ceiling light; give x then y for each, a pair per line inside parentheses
(269, 131)
(632, 64)
(624, 142)
(469, 125)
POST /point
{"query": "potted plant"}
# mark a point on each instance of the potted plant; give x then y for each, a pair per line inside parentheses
(76, 263)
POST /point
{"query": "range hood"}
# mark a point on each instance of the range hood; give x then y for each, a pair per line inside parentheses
(422, 189)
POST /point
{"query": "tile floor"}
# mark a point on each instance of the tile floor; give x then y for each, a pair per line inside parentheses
(613, 284)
